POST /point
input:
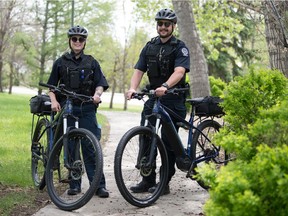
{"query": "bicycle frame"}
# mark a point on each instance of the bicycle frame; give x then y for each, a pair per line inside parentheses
(55, 126)
(163, 117)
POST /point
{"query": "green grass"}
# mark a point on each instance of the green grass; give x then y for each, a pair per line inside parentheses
(15, 155)
(15, 126)
(15, 137)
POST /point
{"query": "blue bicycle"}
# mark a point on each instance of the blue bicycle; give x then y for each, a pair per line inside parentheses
(141, 151)
(57, 158)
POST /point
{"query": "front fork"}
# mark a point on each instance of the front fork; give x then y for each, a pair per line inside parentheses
(148, 149)
(72, 154)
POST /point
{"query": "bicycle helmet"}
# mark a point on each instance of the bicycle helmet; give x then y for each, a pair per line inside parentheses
(166, 14)
(77, 30)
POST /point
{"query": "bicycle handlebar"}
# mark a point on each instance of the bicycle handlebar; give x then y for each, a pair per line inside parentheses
(145, 92)
(61, 89)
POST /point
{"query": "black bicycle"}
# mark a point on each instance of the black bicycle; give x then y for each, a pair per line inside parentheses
(57, 150)
(141, 151)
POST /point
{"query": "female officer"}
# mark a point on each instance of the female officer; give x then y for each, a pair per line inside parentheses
(82, 74)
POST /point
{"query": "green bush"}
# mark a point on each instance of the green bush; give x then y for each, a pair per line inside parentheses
(256, 183)
(258, 187)
(247, 95)
(217, 86)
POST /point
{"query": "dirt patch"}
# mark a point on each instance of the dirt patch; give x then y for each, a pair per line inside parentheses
(30, 200)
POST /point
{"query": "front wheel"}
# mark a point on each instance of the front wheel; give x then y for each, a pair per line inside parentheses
(204, 148)
(75, 162)
(140, 154)
(39, 153)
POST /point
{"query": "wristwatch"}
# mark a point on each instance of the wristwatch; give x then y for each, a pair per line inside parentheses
(165, 85)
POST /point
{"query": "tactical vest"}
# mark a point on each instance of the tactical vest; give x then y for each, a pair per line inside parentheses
(160, 60)
(78, 77)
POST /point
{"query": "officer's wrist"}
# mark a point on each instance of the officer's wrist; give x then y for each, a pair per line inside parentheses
(98, 94)
(165, 85)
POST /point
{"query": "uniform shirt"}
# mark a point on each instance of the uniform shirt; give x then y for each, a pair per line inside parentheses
(99, 78)
(182, 56)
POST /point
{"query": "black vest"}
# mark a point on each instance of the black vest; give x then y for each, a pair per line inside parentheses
(78, 77)
(160, 60)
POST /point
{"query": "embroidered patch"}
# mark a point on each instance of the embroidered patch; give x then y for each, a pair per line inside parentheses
(184, 51)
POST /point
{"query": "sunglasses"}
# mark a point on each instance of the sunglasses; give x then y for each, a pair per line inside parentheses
(80, 39)
(166, 24)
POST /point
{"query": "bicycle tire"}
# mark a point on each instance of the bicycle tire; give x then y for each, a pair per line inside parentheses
(202, 146)
(39, 153)
(128, 173)
(59, 177)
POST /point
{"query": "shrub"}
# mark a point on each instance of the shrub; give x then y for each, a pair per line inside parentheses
(217, 86)
(258, 187)
(247, 95)
(256, 183)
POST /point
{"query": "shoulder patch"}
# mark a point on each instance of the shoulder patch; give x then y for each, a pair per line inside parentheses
(184, 51)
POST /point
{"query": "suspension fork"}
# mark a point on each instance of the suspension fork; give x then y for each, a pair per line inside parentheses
(73, 149)
(148, 149)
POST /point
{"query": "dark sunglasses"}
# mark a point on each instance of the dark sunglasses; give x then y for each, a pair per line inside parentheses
(80, 39)
(166, 24)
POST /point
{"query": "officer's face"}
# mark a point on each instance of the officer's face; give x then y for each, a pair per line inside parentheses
(165, 28)
(77, 43)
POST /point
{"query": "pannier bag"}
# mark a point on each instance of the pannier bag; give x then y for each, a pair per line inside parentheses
(40, 104)
(210, 107)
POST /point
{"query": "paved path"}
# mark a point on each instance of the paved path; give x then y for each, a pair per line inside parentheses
(186, 197)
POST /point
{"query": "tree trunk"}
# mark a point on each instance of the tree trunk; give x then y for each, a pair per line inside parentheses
(6, 8)
(188, 33)
(43, 47)
(276, 38)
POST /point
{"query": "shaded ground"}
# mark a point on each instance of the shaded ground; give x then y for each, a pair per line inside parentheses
(30, 201)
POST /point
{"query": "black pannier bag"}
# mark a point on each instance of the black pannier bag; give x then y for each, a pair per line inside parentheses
(40, 104)
(210, 107)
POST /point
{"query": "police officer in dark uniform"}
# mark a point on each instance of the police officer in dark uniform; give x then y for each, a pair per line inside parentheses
(82, 74)
(166, 61)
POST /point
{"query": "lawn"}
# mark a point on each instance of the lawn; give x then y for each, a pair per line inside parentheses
(15, 157)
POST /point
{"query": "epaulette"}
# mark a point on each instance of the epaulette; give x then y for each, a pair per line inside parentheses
(66, 55)
(154, 39)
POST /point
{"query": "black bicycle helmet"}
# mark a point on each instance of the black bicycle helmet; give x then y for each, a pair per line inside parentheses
(77, 30)
(166, 14)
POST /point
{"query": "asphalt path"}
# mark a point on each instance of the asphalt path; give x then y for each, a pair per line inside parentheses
(186, 197)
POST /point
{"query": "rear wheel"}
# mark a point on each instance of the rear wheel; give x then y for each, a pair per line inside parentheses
(39, 153)
(203, 147)
(131, 164)
(77, 165)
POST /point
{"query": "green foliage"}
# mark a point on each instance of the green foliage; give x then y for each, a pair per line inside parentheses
(258, 188)
(247, 95)
(15, 139)
(217, 86)
(225, 30)
(255, 131)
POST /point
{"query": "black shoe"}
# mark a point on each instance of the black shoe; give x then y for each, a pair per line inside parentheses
(102, 192)
(165, 192)
(143, 186)
(74, 191)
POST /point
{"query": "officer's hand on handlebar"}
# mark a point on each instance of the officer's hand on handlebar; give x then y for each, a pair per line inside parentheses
(130, 93)
(96, 99)
(55, 106)
(160, 91)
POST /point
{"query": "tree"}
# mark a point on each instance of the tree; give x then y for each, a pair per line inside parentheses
(188, 32)
(276, 23)
(276, 29)
(6, 16)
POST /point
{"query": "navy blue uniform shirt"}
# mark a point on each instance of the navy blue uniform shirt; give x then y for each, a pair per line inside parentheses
(99, 78)
(182, 56)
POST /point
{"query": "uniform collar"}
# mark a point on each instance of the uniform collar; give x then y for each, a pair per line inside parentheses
(73, 55)
(158, 41)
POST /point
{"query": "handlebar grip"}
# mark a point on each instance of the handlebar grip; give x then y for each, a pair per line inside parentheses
(46, 85)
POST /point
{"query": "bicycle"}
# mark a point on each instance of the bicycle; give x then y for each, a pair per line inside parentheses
(57, 152)
(141, 152)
